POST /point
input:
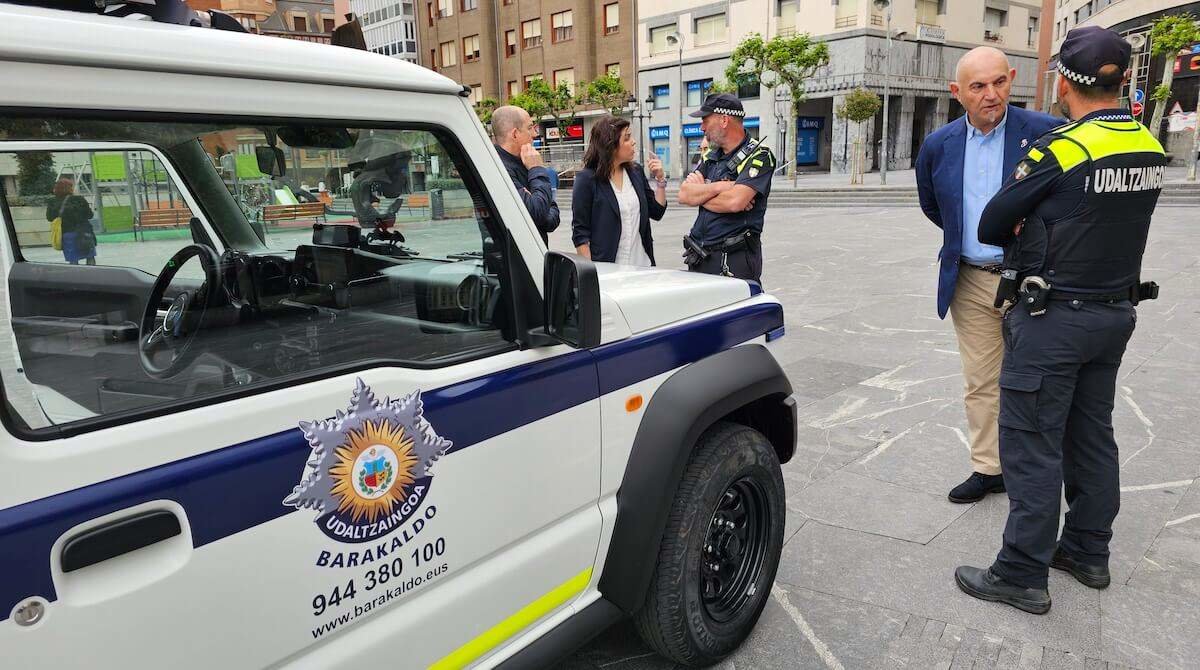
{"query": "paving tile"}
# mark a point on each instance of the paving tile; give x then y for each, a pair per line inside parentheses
(1149, 629)
(917, 579)
(1173, 562)
(1054, 659)
(852, 501)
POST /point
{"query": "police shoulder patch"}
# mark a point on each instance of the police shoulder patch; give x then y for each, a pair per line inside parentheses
(1023, 169)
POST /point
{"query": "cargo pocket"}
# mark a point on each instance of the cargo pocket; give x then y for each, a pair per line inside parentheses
(1019, 400)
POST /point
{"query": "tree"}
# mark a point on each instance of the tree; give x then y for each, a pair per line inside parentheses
(607, 91)
(859, 106)
(484, 109)
(35, 173)
(722, 86)
(1167, 37)
(784, 60)
(558, 102)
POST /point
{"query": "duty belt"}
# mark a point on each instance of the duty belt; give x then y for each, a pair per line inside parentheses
(732, 243)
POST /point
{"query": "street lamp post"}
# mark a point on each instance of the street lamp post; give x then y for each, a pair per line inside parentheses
(675, 39)
(887, 90)
(641, 113)
(781, 120)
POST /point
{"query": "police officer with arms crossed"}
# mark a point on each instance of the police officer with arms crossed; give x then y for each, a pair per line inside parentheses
(1073, 221)
(730, 187)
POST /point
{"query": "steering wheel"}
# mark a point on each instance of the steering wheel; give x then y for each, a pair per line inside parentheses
(183, 318)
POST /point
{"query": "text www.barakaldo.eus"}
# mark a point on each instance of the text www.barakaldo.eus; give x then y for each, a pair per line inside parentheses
(380, 601)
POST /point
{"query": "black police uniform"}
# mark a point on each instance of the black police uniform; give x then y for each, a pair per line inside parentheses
(732, 241)
(1085, 192)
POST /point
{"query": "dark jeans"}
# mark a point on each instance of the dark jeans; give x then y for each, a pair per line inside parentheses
(1057, 389)
(745, 263)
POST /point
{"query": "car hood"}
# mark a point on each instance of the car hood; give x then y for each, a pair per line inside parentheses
(653, 297)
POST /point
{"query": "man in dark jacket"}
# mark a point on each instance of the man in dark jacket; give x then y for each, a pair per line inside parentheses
(513, 132)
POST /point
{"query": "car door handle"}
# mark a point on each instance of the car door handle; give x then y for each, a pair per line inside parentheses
(118, 537)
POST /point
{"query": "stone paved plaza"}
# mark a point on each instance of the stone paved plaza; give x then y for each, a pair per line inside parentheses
(866, 579)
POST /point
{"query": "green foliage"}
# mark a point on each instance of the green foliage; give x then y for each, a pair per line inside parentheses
(607, 91)
(35, 173)
(723, 86)
(860, 105)
(484, 109)
(1172, 33)
(446, 184)
(784, 60)
(541, 100)
(1161, 92)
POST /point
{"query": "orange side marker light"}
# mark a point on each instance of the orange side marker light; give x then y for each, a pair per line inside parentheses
(634, 403)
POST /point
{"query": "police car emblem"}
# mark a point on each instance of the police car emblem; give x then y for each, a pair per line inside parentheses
(370, 466)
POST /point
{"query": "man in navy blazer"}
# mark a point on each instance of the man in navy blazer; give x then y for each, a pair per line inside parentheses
(959, 168)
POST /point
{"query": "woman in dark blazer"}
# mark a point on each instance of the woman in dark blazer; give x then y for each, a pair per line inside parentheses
(612, 202)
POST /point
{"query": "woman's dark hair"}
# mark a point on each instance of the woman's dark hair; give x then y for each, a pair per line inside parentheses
(601, 153)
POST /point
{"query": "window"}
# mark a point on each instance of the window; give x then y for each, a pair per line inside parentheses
(658, 40)
(927, 12)
(514, 88)
(662, 96)
(468, 5)
(530, 78)
(748, 87)
(1083, 13)
(696, 90)
(449, 54)
(531, 33)
(471, 48)
(566, 76)
(710, 29)
(433, 59)
(429, 12)
(328, 25)
(86, 359)
(563, 26)
(508, 2)
(612, 18)
(476, 94)
(1033, 31)
(613, 70)
(993, 21)
(847, 14)
(300, 24)
(445, 8)
(787, 16)
(510, 42)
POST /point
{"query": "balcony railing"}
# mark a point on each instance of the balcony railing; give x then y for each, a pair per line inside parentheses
(876, 20)
(927, 32)
(789, 31)
(992, 36)
(846, 22)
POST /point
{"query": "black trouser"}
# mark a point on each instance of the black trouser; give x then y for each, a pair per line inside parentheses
(1057, 389)
(744, 263)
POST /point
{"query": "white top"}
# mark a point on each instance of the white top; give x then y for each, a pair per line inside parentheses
(629, 249)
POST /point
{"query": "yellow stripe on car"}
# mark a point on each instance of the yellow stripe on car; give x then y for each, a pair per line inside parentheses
(514, 624)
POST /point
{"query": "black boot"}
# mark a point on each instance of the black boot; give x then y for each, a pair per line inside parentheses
(987, 585)
(1093, 576)
(976, 487)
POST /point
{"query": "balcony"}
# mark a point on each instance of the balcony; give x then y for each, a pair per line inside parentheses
(992, 36)
(927, 32)
(789, 31)
(877, 20)
(846, 22)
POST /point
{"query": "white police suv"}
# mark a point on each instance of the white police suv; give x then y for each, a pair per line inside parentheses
(290, 380)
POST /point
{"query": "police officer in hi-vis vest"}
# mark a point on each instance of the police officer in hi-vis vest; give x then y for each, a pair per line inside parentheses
(1073, 220)
(730, 186)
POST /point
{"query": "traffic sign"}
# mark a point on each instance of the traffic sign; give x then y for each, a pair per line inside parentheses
(1139, 96)
(1137, 109)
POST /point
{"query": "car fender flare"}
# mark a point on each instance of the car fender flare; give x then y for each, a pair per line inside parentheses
(687, 404)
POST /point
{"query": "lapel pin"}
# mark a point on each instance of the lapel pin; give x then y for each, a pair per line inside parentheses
(1024, 143)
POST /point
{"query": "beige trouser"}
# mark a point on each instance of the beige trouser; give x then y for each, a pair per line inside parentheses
(981, 346)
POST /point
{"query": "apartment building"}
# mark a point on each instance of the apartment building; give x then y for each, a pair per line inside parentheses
(307, 20)
(684, 45)
(389, 26)
(1133, 19)
(497, 47)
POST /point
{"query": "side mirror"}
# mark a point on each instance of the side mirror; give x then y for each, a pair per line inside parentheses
(572, 304)
(271, 161)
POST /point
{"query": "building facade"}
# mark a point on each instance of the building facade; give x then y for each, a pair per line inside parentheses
(307, 20)
(497, 47)
(685, 44)
(389, 26)
(1133, 19)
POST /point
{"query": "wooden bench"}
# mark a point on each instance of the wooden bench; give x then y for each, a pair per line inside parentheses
(416, 201)
(161, 218)
(305, 210)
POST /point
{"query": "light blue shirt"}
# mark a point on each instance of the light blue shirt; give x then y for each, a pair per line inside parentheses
(983, 173)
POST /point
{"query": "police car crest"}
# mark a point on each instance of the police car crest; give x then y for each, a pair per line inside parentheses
(370, 466)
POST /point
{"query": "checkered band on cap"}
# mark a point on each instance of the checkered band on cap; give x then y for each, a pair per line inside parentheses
(729, 112)
(1075, 76)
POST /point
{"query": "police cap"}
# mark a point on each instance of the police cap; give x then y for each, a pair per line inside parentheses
(720, 103)
(1086, 50)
